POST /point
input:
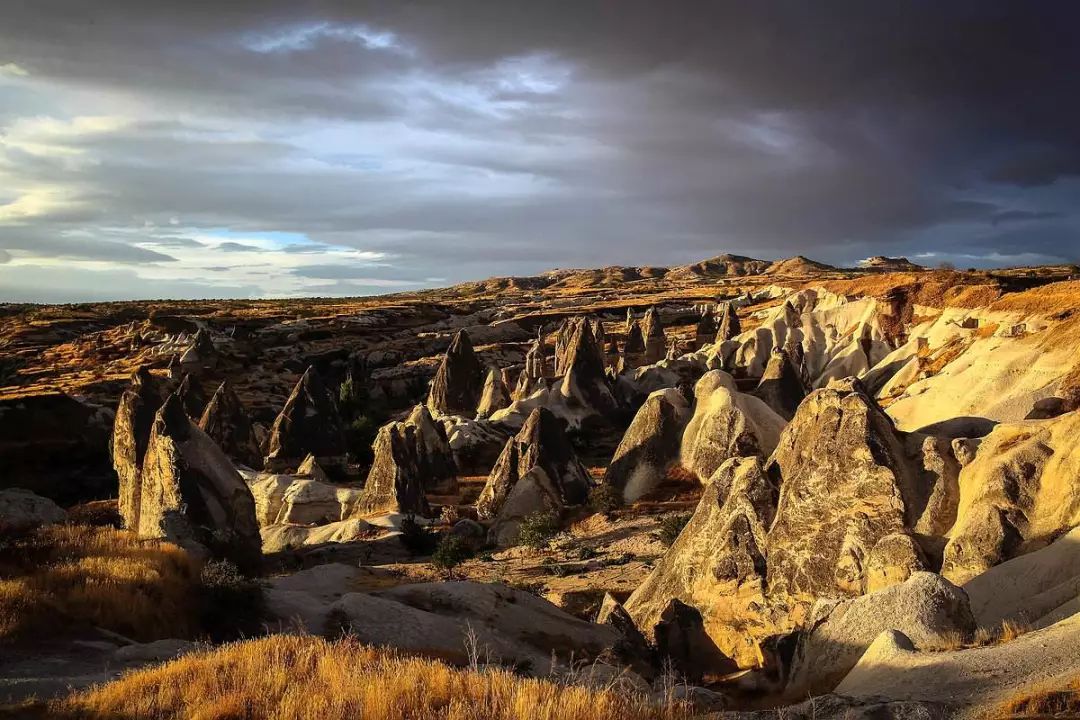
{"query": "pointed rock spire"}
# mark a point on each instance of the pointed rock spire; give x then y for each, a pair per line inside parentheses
(190, 392)
(131, 434)
(584, 382)
(653, 332)
(228, 424)
(729, 324)
(650, 445)
(309, 423)
(457, 385)
(495, 395)
(395, 482)
(781, 386)
(192, 495)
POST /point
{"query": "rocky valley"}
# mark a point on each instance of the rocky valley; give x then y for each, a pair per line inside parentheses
(730, 489)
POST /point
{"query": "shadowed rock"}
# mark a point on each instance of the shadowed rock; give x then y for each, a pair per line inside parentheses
(308, 424)
(633, 352)
(191, 494)
(395, 481)
(200, 355)
(191, 394)
(705, 332)
(435, 459)
(536, 471)
(228, 424)
(457, 385)
(495, 395)
(653, 332)
(781, 386)
(729, 325)
(682, 640)
(131, 434)
(650, 445)
(585, 383)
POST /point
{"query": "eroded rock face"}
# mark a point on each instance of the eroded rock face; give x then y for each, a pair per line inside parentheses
(585, 385)
(726, 424)
(131, 434)
(729, 325)
(781, 386)
(192, 396)
(226, 421)
(845, 482)
(1018, 494)
(191, 494)
(457, 386)
(650, 445)
(652, 329)
(536, 471)
(718, 562)
(926, 609)
(494, 397)
(308, 424)
(681, 639)
(395, 482)
(435, 460)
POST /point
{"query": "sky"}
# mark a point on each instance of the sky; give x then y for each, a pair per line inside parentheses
(275, 149)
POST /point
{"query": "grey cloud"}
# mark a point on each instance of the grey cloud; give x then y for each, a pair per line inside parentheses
(39, 244)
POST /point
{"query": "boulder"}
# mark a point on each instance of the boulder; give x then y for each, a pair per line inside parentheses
(536, 471)
(457, 386)
(650, 445)
(131, 434)
(892, 560)
(1018, 494)
(494, 397)
(718, 562)
(781, 386)
(22, 510)
(926, 608)
(227, 422)
(726, 424)
(845, 483)
(308, 424)
(191, 494)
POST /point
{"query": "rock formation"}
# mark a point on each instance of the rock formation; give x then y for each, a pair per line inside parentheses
(726, 424)
(717, 564)
(705, 332)
(435, 460)
(192, 396)
(633, 351)
(681, 640)
(457, 385)
(729, 325)
(395, 483)
(536, 471)
(200, 355)
(494, 397)
(228, 424)
(781, 386)
(191, 494)
(650, 445)
(534, 361)
(584, 385)
(131, 433)
(308, 424)
(22, 510)
(652, 330)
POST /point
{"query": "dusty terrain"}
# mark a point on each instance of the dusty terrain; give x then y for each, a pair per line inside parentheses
(717, 488)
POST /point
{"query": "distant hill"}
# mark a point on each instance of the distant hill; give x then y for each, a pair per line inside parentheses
(720, 266)
(890, 264)
(797, 265)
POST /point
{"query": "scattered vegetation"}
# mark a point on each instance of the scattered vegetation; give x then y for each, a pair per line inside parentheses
(1056, 700)
(605, 499)
(416, 538)
(451, 551)
(538, 528)
(230, 604)
(671, 526)
(1008, 631)
(69, 575)
(291, 677)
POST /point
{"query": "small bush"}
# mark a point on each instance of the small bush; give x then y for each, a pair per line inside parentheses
(671, 526)
(538, 528)
(449, 515)
(231, 604)
(605, 499)
(416, 538)
(451, 551)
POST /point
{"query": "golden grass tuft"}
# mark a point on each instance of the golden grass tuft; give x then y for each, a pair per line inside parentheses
(65, 575)
(1056, 700)
(284, 677)
(1008, 631)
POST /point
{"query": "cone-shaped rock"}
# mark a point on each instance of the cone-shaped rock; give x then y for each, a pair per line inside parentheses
(191, 394)
(395, 481)
(200, 354)
(729, 324)
(650, 445)
(308, 424)
(781, 386)
(226, 421)
(845, 482)
(495, 395)
(536, 471)
(584, 383)
(310, 470)
(653, 332)
(458, 383)
(534, 361)
(717, 564)
(131, 434)
(192, 495)
(633, 352)
(435, 459)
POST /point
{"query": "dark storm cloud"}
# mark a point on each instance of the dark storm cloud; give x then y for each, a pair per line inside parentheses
(468, 137)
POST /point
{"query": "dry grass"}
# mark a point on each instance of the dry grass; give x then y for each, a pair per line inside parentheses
(1008, 631)
(1059, 700)
(287, 677)
(1048, 299)
(67, 575)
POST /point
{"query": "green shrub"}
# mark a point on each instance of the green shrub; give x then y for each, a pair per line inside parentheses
(451, 551)
(231, 605)
(605, 499)
(538, 528)
(416, 538)
(671, 526)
